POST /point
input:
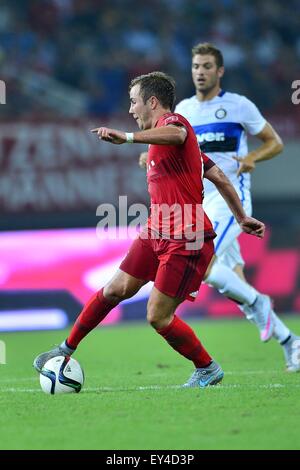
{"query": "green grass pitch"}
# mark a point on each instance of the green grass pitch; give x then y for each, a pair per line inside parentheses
(128, 401)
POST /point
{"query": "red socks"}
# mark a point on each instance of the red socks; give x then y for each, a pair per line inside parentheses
(182, 338)
(92, 314)
(178, 334)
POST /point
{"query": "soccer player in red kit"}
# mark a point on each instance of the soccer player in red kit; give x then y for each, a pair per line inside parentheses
(175, 248)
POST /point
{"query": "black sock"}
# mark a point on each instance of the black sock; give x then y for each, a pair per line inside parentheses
(286, 340)
(254, 301)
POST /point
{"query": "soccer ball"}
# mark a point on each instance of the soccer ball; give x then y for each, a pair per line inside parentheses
(61, 375)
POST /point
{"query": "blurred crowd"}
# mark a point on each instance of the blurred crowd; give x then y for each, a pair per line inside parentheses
(92, 48)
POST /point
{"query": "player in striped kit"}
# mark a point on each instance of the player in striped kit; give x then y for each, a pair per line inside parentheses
(221, 121)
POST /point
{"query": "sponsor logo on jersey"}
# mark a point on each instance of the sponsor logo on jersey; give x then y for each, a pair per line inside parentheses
(211, 137)
(194, 294)
(150, 165)
(219, 136)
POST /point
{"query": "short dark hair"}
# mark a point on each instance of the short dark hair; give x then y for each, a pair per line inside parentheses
(208, 48)
(157, 84)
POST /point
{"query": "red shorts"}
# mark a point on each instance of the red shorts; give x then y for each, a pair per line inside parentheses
(174, 274)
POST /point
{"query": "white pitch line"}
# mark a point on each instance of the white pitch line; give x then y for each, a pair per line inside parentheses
(16, 379)
(149, 387)
(156, 387)
(243, 372)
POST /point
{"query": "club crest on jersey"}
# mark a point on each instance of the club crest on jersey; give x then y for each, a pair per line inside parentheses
(220, 113)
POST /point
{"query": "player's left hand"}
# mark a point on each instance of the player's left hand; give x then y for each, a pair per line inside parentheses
(252, 226)
(247, 164)
(143, 160)
(110, 135)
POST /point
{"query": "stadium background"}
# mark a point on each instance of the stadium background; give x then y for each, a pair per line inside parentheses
(66, 65)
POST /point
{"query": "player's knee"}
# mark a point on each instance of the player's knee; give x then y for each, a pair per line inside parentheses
(115, 293)
(218, 277)
(153, 314)
(156, 316)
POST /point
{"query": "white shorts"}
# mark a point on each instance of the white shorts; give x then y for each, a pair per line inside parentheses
(227, 248)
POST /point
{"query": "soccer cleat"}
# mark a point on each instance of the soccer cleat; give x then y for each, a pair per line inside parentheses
(205, 376)
(292, 354)
(261, 313)
(42, 358)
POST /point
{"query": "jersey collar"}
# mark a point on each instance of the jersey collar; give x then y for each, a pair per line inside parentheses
(219, 95)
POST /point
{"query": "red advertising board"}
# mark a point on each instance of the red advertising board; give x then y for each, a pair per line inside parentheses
(61, 166)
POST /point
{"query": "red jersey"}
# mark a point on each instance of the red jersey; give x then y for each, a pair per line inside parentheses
(175, 185)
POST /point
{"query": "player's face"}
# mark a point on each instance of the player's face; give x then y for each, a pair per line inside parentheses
(206, 75)
(140, 111)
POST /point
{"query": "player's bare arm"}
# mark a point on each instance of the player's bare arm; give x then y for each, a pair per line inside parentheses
(167, 135)
(227, 191)
(113, 136)
(272, 145)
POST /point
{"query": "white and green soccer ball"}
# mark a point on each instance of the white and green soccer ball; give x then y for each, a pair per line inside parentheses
(61, 375)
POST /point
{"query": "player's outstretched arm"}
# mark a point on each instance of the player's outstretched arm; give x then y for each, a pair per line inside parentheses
(166, 135)
(111, 135)
(225, 188)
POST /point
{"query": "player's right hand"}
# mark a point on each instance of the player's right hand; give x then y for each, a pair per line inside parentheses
(110, 135)
(143, 159)
(253, 226)
(246, 164)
